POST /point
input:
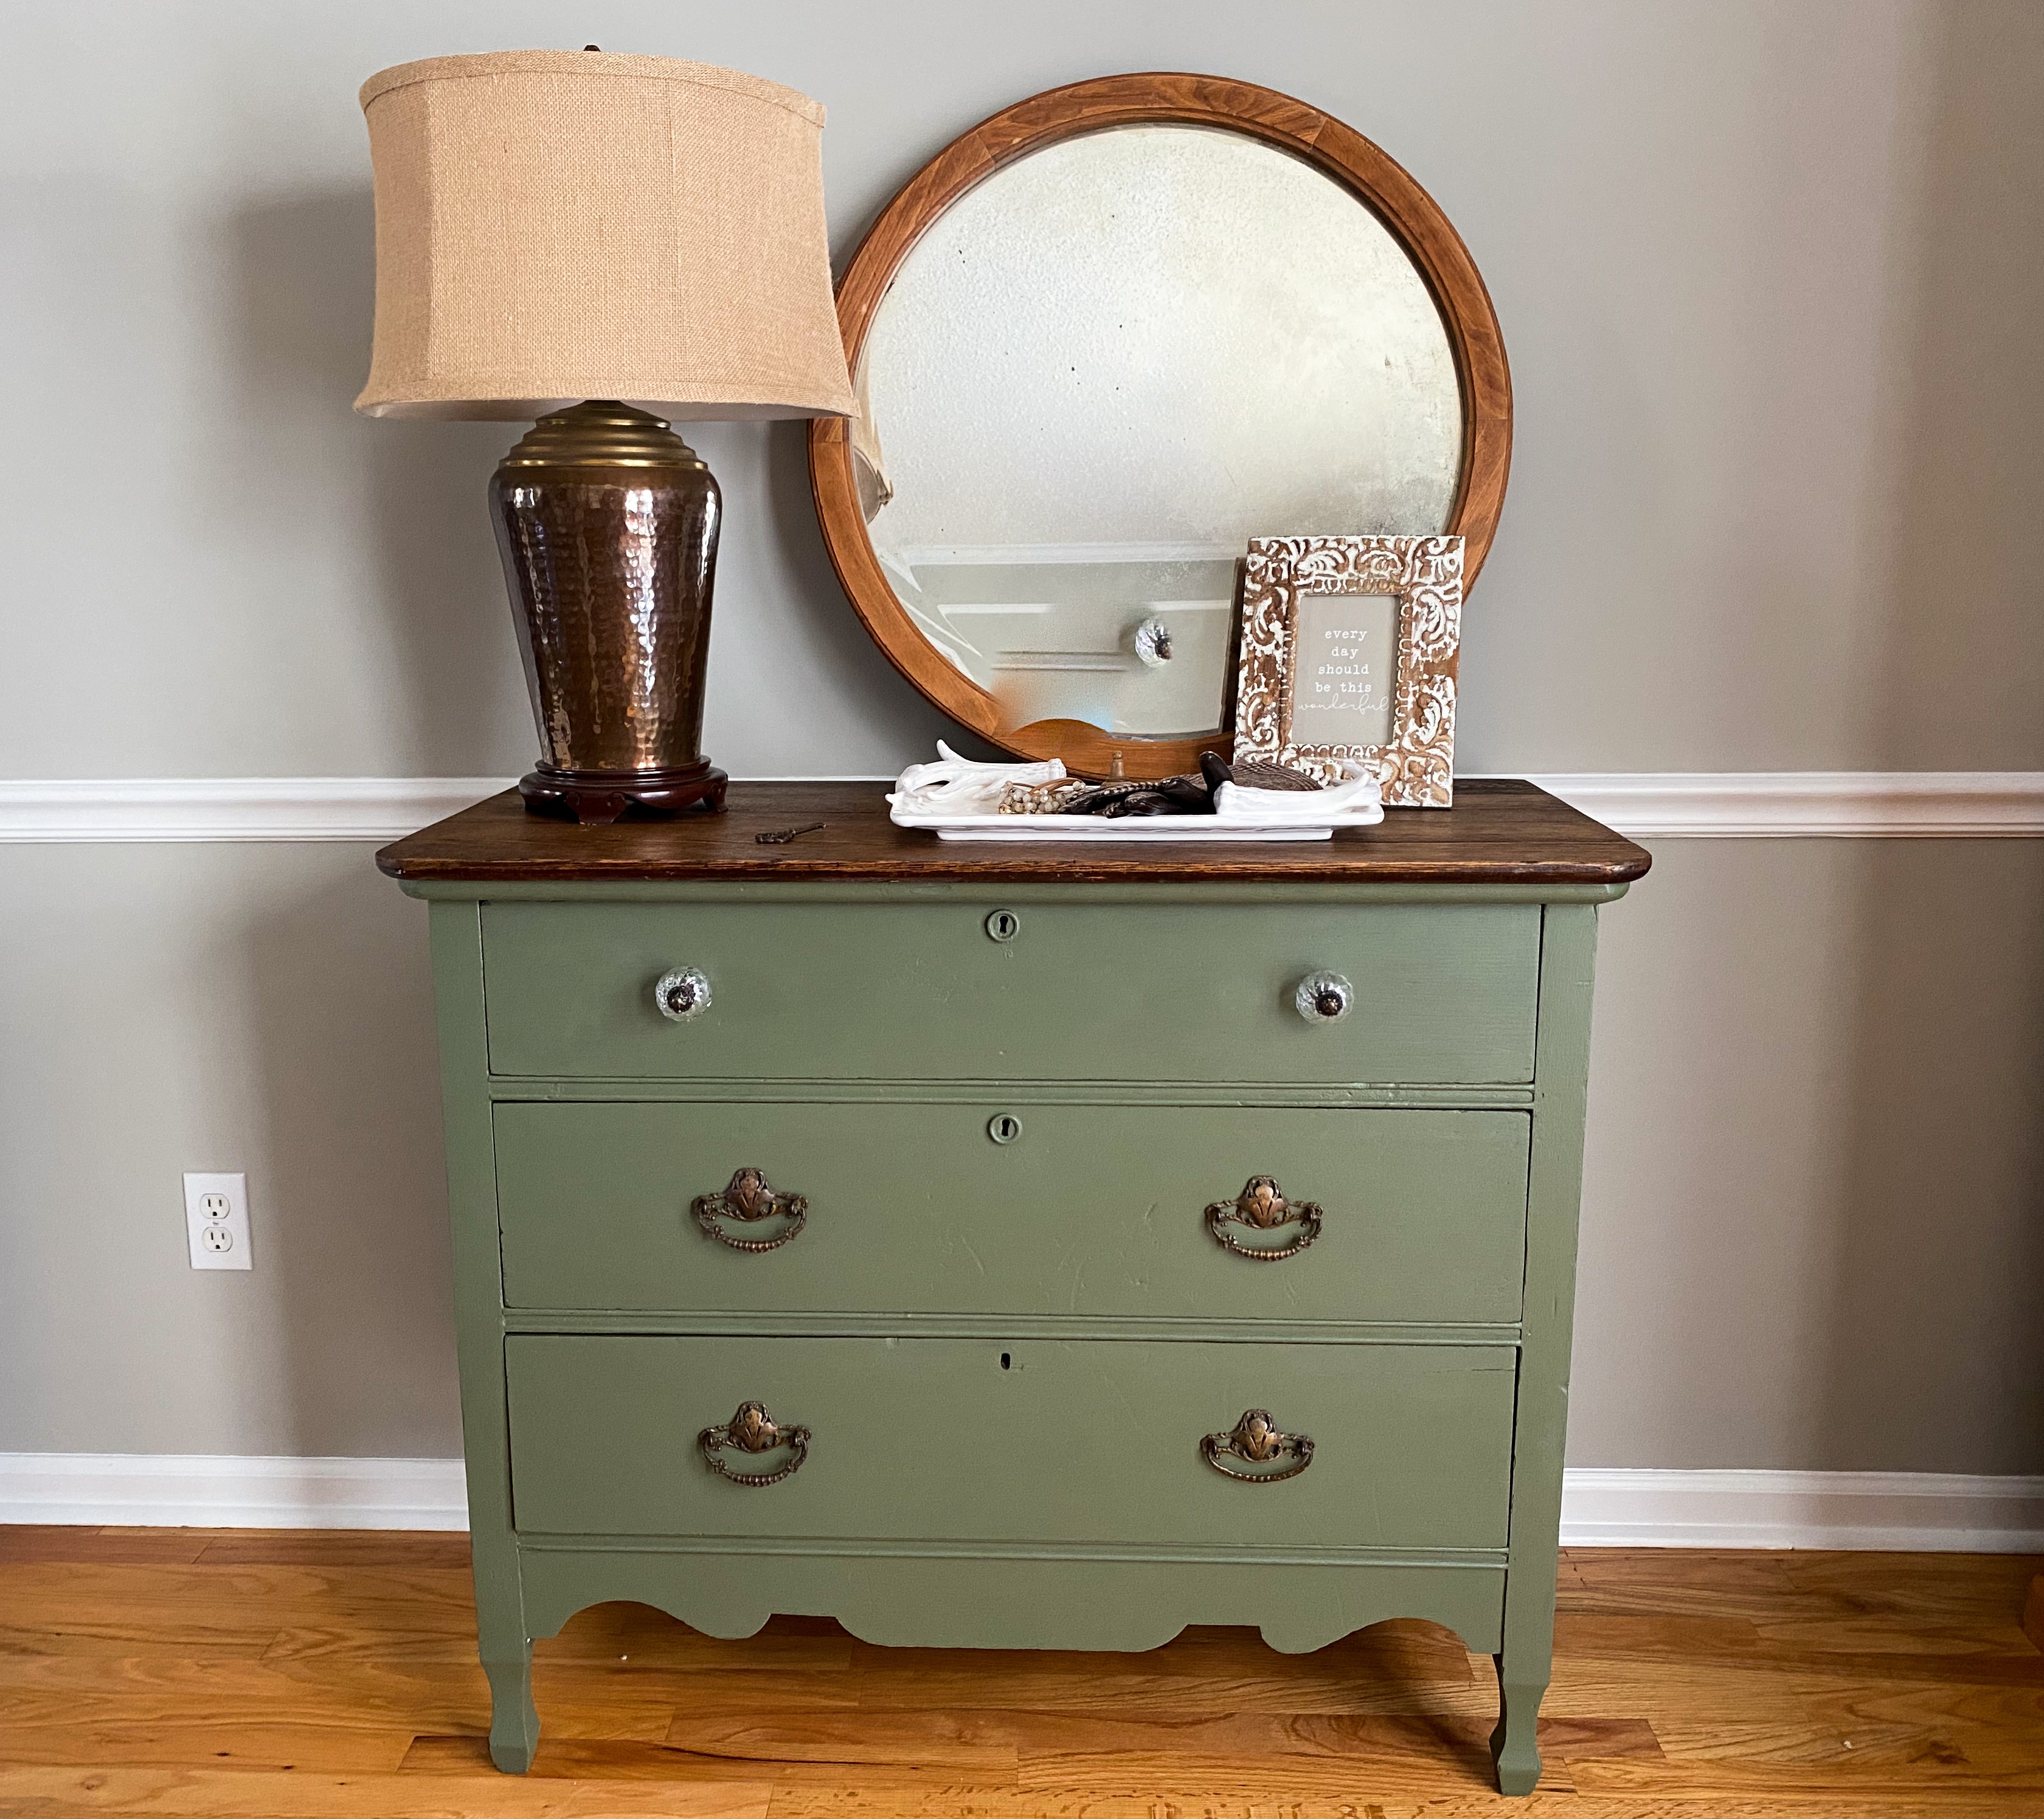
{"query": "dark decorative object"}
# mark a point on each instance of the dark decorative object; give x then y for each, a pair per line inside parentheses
(1190, 794)
(607, 522)
(1121, 798)
(1260, 774)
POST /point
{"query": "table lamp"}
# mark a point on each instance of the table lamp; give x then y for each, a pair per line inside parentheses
(607, 244)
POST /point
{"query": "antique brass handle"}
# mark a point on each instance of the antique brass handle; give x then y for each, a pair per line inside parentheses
(682, 993)
(1256, 1441)
(751, 1198)
(753, 1430)
(1263, 1207)
(1323, 997)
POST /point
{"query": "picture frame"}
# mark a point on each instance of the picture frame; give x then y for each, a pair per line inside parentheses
(1311, 686)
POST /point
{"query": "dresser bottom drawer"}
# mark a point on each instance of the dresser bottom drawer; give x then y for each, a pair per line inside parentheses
(1095, 1440)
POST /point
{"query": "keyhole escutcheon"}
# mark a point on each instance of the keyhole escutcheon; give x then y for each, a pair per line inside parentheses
(1004, 1127)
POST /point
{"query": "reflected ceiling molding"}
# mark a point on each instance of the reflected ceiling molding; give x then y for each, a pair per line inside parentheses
(1026, 554)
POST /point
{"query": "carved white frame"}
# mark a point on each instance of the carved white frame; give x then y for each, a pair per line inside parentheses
(1416, 769)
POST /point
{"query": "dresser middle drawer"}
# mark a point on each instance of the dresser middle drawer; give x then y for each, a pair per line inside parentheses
(1085, 1210)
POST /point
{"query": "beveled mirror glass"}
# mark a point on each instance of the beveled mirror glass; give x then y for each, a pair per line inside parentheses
(1099, 344)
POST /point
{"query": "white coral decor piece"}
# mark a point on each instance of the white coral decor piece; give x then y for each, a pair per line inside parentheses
(955, 786)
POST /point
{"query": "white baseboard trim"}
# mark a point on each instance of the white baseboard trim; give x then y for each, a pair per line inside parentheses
(203, 1490)
(1901, 1511)
(1872, 805)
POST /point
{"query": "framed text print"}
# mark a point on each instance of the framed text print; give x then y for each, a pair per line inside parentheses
(1349, 649)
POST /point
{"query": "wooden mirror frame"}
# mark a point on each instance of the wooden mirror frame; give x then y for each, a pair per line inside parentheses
(1414, 220)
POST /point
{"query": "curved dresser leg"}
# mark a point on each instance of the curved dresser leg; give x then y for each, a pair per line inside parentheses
(514, 1724)
(1513, 1747)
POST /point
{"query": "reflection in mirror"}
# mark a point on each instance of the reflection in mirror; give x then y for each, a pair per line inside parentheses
(1105, 368)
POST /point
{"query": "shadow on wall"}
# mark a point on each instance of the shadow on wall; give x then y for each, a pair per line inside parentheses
(412, 495)
(1942, 1183)
(858, 668)
(353, 1232)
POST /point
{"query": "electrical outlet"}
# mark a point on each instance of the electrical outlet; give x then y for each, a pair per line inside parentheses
(216, 1222)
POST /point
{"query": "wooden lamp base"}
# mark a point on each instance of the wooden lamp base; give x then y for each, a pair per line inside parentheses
(598, 798)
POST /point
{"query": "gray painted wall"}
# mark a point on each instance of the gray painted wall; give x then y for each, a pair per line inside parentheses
(1769, 274)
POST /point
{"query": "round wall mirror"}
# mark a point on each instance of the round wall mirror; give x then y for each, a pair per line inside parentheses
(1101, 342)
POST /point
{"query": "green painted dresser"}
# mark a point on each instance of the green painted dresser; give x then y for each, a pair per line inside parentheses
(1015, 1247)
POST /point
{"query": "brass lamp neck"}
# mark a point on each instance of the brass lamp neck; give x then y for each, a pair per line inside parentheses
(602, 433)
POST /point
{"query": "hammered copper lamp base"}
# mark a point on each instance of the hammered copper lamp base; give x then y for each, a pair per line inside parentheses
(607, 523)
(598, 798)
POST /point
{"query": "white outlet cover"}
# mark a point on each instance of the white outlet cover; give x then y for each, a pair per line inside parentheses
(216, 1222)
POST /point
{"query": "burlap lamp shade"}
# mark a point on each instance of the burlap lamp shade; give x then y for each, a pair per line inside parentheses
(607, 244)
(555, 225)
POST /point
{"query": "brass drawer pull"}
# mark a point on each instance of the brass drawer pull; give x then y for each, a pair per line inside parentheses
(751, 1198)
(753, 1430)
(1263, 1207)
(1256, 1442)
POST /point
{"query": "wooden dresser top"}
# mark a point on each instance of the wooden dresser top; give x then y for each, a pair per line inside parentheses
(1499, 831)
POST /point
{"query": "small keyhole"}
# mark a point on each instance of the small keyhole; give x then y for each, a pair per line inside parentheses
(1006, 1361)
(1003, 1128)
(1003, 925)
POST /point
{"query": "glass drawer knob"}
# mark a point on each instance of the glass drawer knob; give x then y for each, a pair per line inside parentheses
(1322, 997)
(682, 993)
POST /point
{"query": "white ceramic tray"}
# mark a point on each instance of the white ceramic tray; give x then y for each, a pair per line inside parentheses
(952, 799)
(1201, 830)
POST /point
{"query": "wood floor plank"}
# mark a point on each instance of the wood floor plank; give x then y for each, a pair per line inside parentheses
(329, 1548)
(212, 1794)
(976, 1740)
(182, 1741)
(36, 1541)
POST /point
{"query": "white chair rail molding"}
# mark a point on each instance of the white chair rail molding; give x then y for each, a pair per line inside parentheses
(1730, 805)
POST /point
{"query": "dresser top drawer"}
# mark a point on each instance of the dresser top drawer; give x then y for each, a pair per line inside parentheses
(960, 989)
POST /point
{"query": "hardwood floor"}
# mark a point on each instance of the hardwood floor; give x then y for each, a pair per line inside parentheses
(188, 1672)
